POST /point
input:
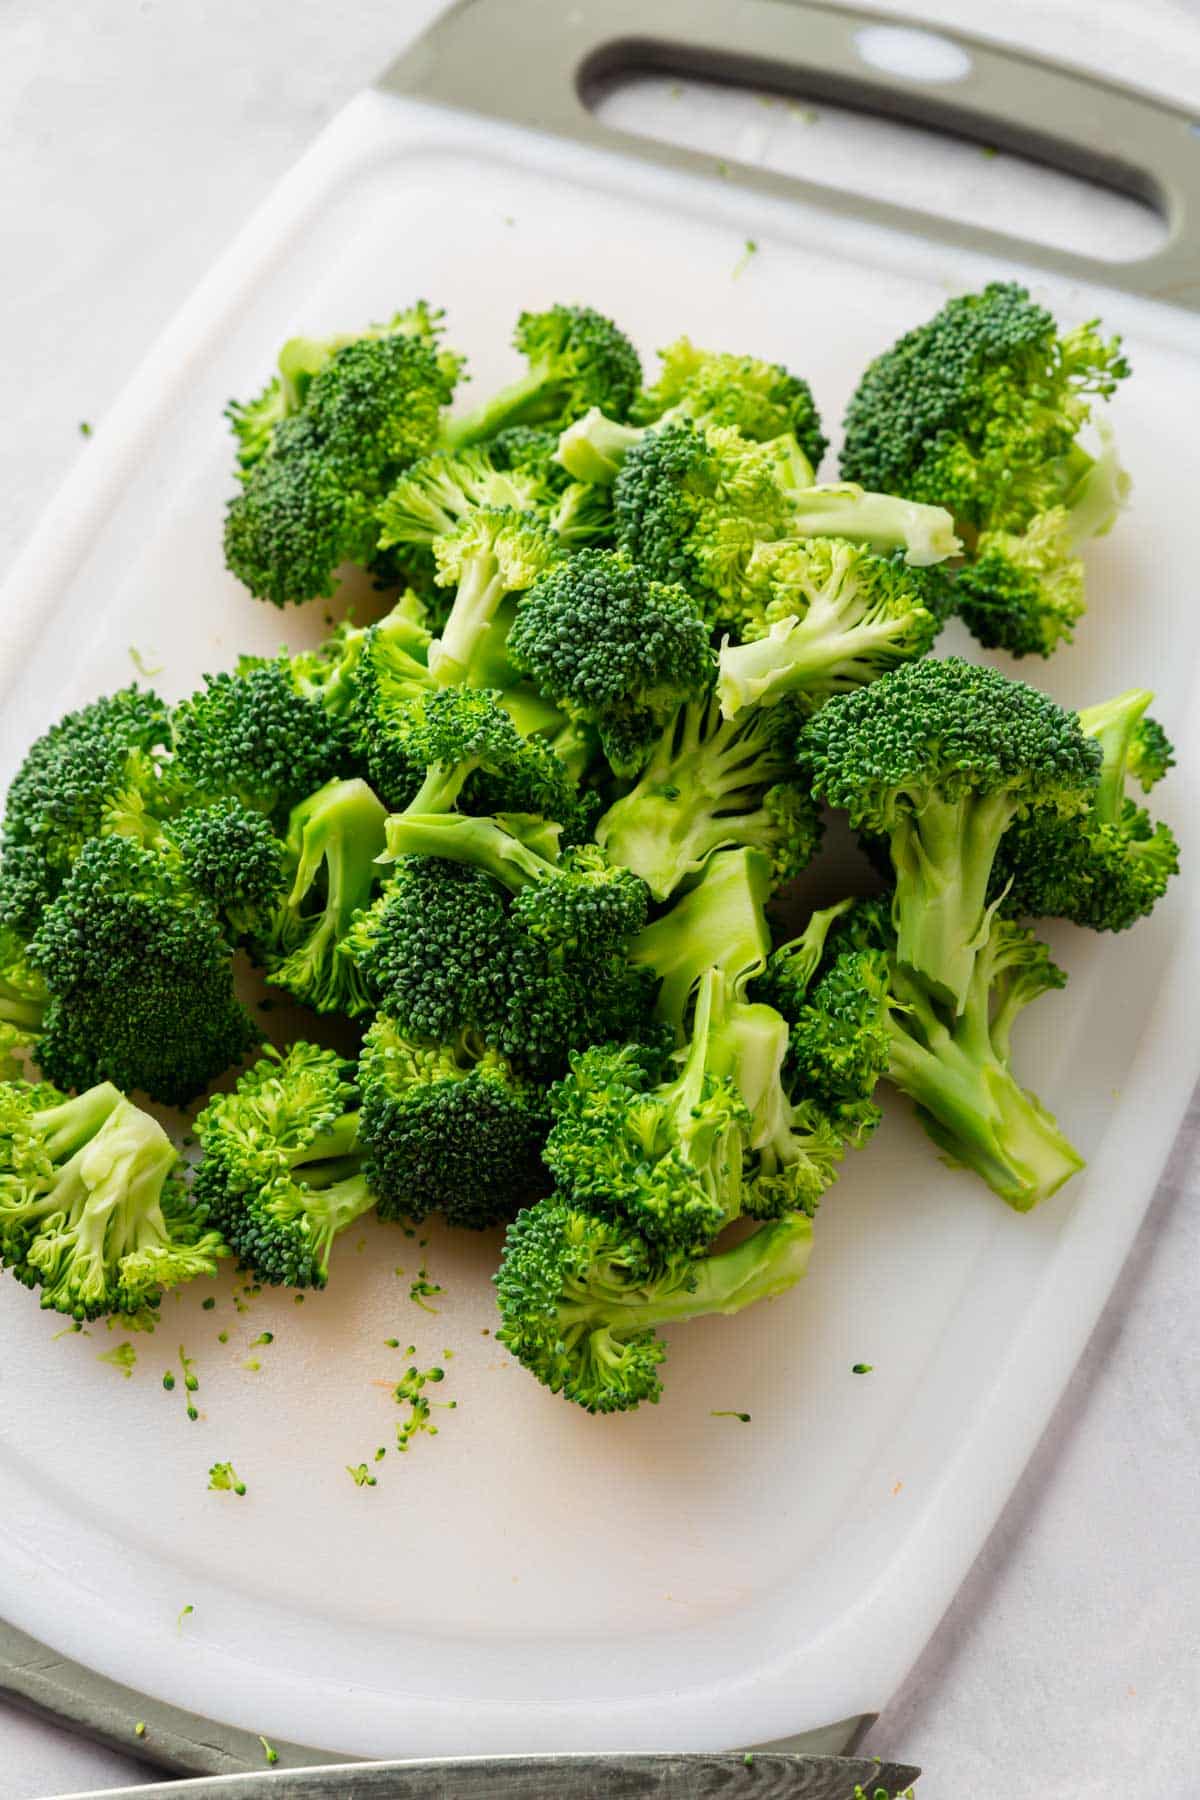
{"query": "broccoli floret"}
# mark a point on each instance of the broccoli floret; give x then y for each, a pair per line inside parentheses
(280, 1172)
(956, 1067)
(979, 410)
(334, 839)
(709, 784)
(613, 648)
(692, 505)
(140, 978)
(524, 948)
(376, 407)
(253, 737)
(97, 770)
(91, 1209)
(833, 617)
(23, 998)
(580, 1298)
(230, 854)
(577, 359)
(758, 399)
(1106, 867)
(450, 1128)
(942, 757)
(438, 493)
(493, 554)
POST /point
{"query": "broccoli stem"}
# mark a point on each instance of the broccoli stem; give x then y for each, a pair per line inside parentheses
(825, 650)
(476, 602)
(482, 842)
(595, 446)
(699, 792)
(718, 924)
(1112, 724)
(66, 1128)
(340, 1202)
(943, 853)
(522, 402)
(924, 533)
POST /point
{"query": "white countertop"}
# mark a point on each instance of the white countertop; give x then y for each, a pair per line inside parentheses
(135, 137)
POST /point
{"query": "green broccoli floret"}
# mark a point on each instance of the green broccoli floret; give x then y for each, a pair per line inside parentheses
(709, 784)
(23, 1000)
(979, 410)
(450, 1128)
(99, 769)
(522, 947)
(580, 1298)
(441, 491)
(334, 839)
(1149, 755)
(693, 504)
(280, 1173)
(956, 1067)
(758, 399)
(253, 737)
(833, 617)
(577, 359)
(92, 1211)
(1106, 867)
(942, 757)
(613, 648)
(230, 854)
(139, 975)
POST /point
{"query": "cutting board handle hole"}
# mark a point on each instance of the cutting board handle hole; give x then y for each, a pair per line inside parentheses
(881, 144)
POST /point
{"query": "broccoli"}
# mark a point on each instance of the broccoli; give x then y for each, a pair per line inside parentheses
(576, 358)
(280, 1172)
(521, 946)
(229, 853)
(942, 757)
(580, 1298)
(955, 1066)
(92, 1211)
(1149, 754)
(451, 1128)
(709, 784)
(979, 410)
(254, 737)
(333, 842)
(834, 616)
(692, 505)
(437, 494)
(99, 769)
(613, 648)
(139, 976)
(23, 999)
(758, 399)
(1106, 867)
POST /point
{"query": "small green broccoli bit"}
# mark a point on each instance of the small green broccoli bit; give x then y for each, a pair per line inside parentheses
(613, 649)
(832, 616)
(711, 784)
(576, 359)
(92, 1212)
(1106, 867)
(450, 1128)
(941, 757)
(280, 1174)
(223, 1478)
(333, 843)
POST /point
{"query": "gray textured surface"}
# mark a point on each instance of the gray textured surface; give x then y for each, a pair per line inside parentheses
(134, 138)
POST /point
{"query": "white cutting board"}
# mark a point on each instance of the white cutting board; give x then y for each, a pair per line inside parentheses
(531, 1578)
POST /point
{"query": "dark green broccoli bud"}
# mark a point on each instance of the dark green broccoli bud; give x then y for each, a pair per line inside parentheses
(832, 616)
(97, 770)
(527, 949)
(140, 978)
(450, 1128)
(577, 359)
(375, 407)
(580, 1298)
(334, 840)
(280, 1172)
(758, 399)
(230, 854)
(957, 1068)
(710, 784)
(692, 505)
(254, 738)
(294, 523)
(613, 648)
(92, 1211)
(1109, 866)
(942, 757)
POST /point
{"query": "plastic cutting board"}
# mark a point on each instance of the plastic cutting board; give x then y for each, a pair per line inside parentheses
(533, 1579)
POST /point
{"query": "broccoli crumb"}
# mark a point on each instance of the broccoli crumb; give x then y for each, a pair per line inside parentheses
(862, 1368)
(149, 670)
(392, 1343)
(207, 1305)
(70, 1330)
(185, 1613)
(222, 1337)
(264, 1337)
(223, 1478)
(139, 1729)
(252, 1364)
(270, 1753)
(381, 1453)
(743, 1417)
(191, 1381)
(750, 249)
(85, 429)
(410, 1392)
(168, 1381)
(360, 1475)
(423, 1289)
(298, 1299)
(123, 1358)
